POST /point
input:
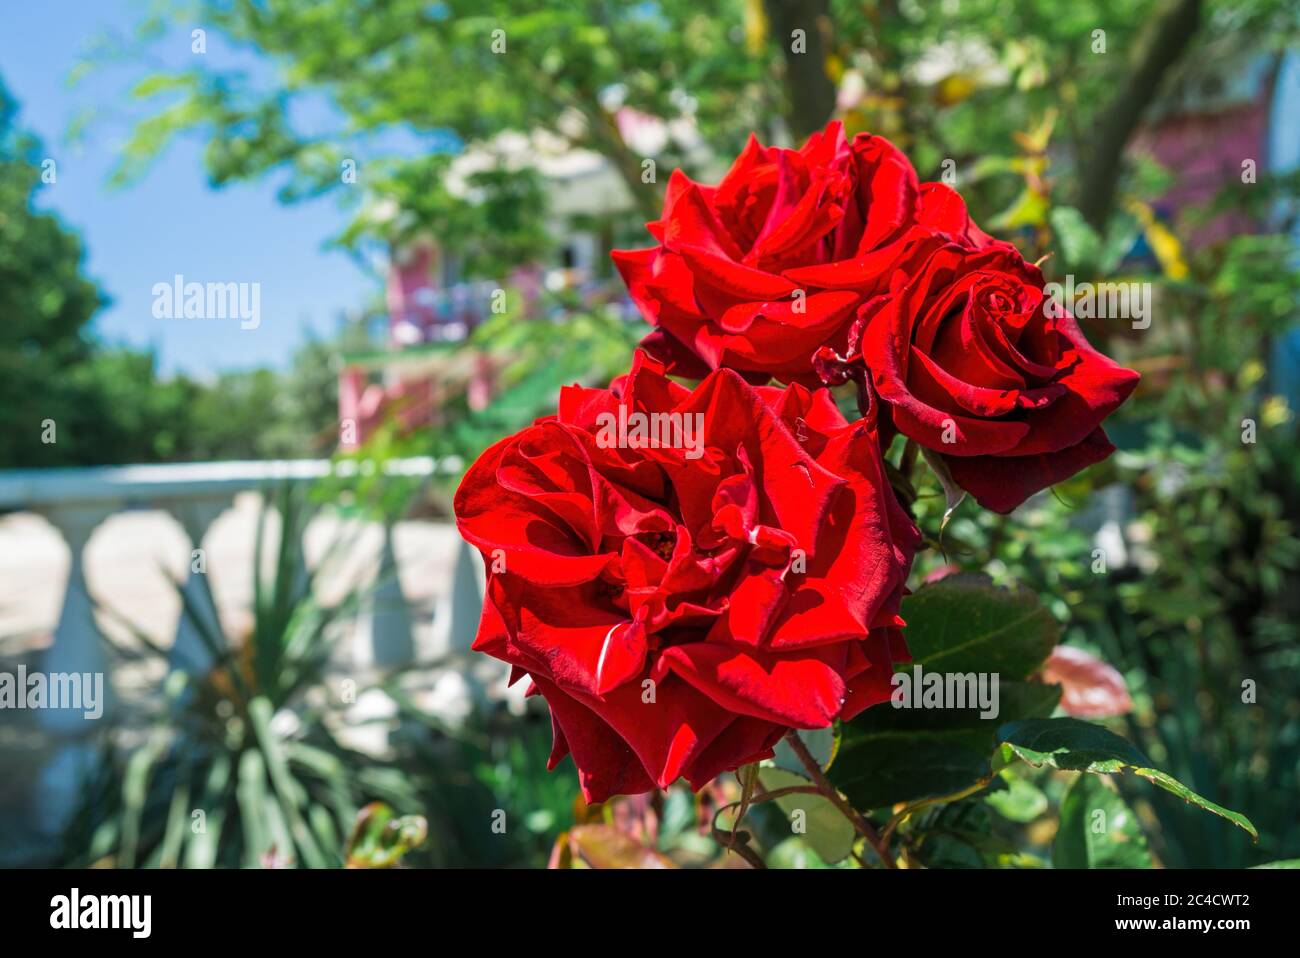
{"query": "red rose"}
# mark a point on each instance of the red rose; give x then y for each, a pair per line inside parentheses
(760, 271)
(681, 608)
(973, 367)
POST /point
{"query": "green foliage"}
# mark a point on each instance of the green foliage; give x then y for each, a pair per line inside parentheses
(1016, 798)
(1201, 611)
(126, 413)
(264, 413)
(825, 830)
(943, 755)
(1000, 631)
(457, 72)
(497, 224)
(890, 755)
(46, 302)
(575, 345)
(108, 404)
(822, 744)
(495, 760)
(1067, 743)
(965, 835)
(380, 838)
(244, 741)
(961, 624)
(1098, 830)
(439, 70)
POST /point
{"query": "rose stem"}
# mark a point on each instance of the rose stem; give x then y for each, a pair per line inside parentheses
(908, 459)
(860, 823)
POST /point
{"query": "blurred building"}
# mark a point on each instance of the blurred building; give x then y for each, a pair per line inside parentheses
(416, 362)
(1231, 121)
(1225, 121)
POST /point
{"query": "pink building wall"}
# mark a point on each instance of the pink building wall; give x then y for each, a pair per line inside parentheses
(1204, 152)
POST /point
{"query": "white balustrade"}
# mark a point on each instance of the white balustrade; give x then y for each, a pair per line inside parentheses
(76, 501)
(384, 636)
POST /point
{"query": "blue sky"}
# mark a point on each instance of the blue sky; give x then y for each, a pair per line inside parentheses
(171, 221)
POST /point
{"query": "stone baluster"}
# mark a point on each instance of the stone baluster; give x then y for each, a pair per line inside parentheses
(466, 598)
(302, 573)
(189, 651)
(77, 650)
(383, 637)
(78, 646)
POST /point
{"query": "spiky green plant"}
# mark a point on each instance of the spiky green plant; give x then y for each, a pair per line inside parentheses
(236, 765)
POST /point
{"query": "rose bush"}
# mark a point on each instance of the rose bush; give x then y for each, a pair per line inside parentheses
(689, 575)
(681, 614)
(758, 273)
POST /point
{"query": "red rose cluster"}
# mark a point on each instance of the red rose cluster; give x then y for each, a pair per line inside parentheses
(685, 575)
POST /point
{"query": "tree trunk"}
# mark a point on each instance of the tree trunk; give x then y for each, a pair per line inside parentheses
(810, 92)
(1167, 40)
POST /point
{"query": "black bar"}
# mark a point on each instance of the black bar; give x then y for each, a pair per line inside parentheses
(380, 908)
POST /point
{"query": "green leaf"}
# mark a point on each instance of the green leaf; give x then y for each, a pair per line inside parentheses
(1030, 208)
(811, 817)
(678, 817)
(201, 847)
(253, 801)
(1284, 863)
(961, 835)
(1098, 830)
(1020, 801)
(1070, 744)
(961, 624)
(1015, 700)
(178, 820)
(890, 755)
(964, 623)
(794, 853)
(286, 788)
(876, 772)
(1067, 743)
(822, 744)
(380, 838)
(1079, 243)
(135, 793)
(157, 83)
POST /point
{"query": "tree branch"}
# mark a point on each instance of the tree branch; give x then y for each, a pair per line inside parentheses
(1164, 45)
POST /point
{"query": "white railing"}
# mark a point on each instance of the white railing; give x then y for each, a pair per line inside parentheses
(76, 501)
